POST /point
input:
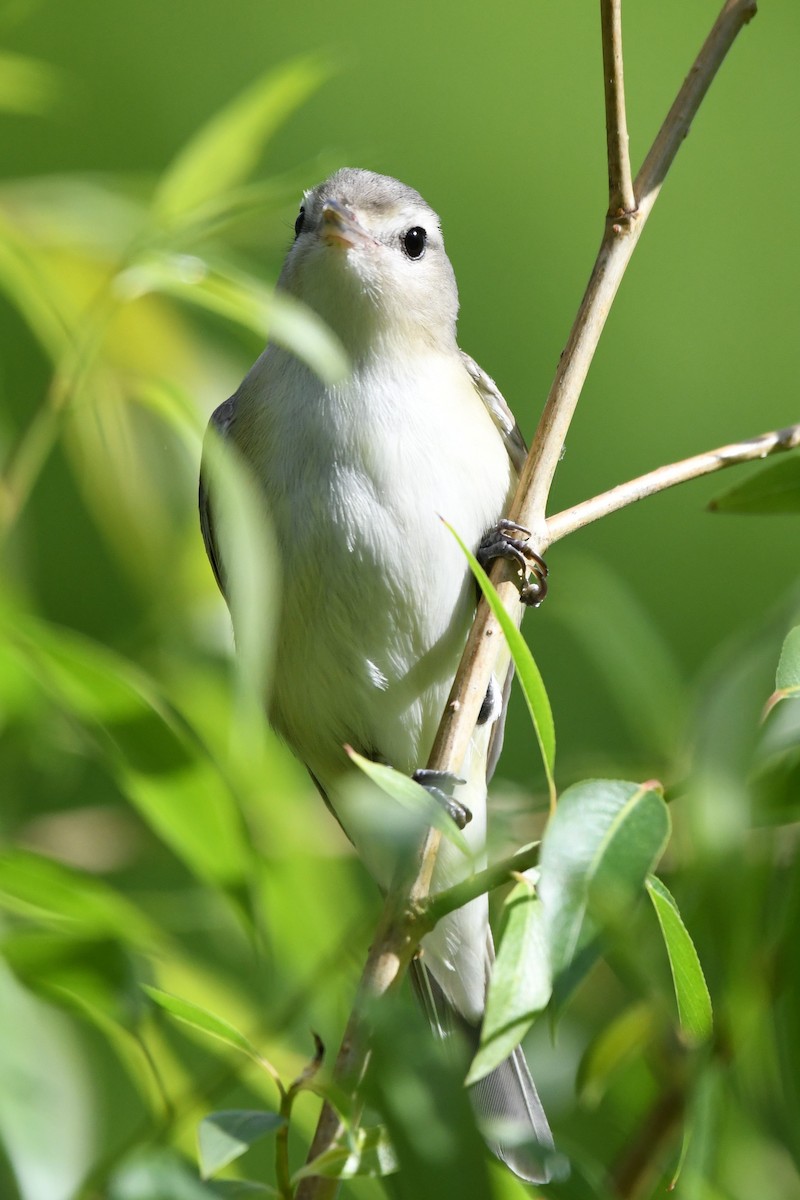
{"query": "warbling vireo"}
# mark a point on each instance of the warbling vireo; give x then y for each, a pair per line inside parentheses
(377, 597)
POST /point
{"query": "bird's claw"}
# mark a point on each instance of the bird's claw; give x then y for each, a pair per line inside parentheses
(440, 785)
(509, 540)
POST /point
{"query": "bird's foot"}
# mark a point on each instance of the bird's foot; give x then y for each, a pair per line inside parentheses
(509, 540)
(440, 785)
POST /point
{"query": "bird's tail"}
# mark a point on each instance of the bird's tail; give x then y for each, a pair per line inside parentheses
(505, 1101)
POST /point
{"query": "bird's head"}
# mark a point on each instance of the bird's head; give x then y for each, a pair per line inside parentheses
(369, 257)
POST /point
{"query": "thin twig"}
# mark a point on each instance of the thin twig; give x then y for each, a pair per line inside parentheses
(439, 905)
(566, 522)
(396, 939)
(620, 184)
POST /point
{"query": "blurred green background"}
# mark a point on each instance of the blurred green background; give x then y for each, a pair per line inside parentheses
(128, 311)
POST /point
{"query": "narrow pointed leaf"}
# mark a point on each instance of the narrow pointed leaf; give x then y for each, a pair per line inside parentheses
(528, 673)
(520, 984)
(601, 844)
(207, 1022)
(691, 990)
(413, 797)
(227, 149)
(775, 489)
(224, 1136)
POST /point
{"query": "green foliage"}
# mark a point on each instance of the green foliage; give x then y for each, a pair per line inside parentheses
(155, 833)
(774, 489)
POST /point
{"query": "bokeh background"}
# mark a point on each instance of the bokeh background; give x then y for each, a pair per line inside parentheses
(144, 840)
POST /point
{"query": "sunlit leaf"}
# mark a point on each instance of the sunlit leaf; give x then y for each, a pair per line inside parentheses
(207, 1022)
(787, 677)
(367, 1152)
(413, 797)
(63, 897)
(775, 489)
(600, 845)
(242, 299)
(520, 983)
(227, 149)
(224, 1136)
(169, 777)
(691, 990)
(527, 672)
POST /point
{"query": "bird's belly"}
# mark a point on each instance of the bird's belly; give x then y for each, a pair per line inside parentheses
(377, 603)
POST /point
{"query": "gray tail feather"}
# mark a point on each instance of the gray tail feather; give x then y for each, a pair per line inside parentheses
(506, 1099)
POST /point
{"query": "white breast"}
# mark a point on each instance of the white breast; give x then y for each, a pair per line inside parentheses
(377, 595)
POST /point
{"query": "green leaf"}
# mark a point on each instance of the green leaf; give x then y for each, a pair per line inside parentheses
(691, 991)
(787, 677)
(775, 489)
(367, 1152)
(238, 297)
(207, 1022)
(527, 671)
(225, 1136)
(520, 983)
(163, 770)
(616, 1045)
(227, 149)
(600, 845)
(68, 899)
(413, 798)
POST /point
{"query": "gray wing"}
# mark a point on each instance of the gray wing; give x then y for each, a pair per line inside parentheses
(498, 410)
(218, 427)
(503, 418)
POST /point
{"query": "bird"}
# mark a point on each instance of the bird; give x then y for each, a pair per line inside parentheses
(377, 597)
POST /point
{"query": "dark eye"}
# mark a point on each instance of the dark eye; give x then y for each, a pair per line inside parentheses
(301, 216)
(414, 241)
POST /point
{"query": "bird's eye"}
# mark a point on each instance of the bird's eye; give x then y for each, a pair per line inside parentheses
(414, 241)
(301, 216)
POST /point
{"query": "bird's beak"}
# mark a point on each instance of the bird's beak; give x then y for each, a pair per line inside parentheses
(340, 227)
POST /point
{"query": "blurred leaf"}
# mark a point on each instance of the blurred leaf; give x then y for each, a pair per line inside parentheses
(242, 299)
(207, 1022)
(164, 771)
(225, 1136)
(609, 620)
(367, 1152)
(38, 887)
(787, 677)
(413, 797)
(625, 1038)
(157, 1174)
(527, 672)
(231, 1188)
(520, 983)
(691, 991)
(418, 1090)
(227, 149)
(599, 847)
(775, 489)
(27, 85)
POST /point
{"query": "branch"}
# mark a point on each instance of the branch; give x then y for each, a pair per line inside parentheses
(439, 905)
(621, 200)
(570, 519)
(396, 938)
